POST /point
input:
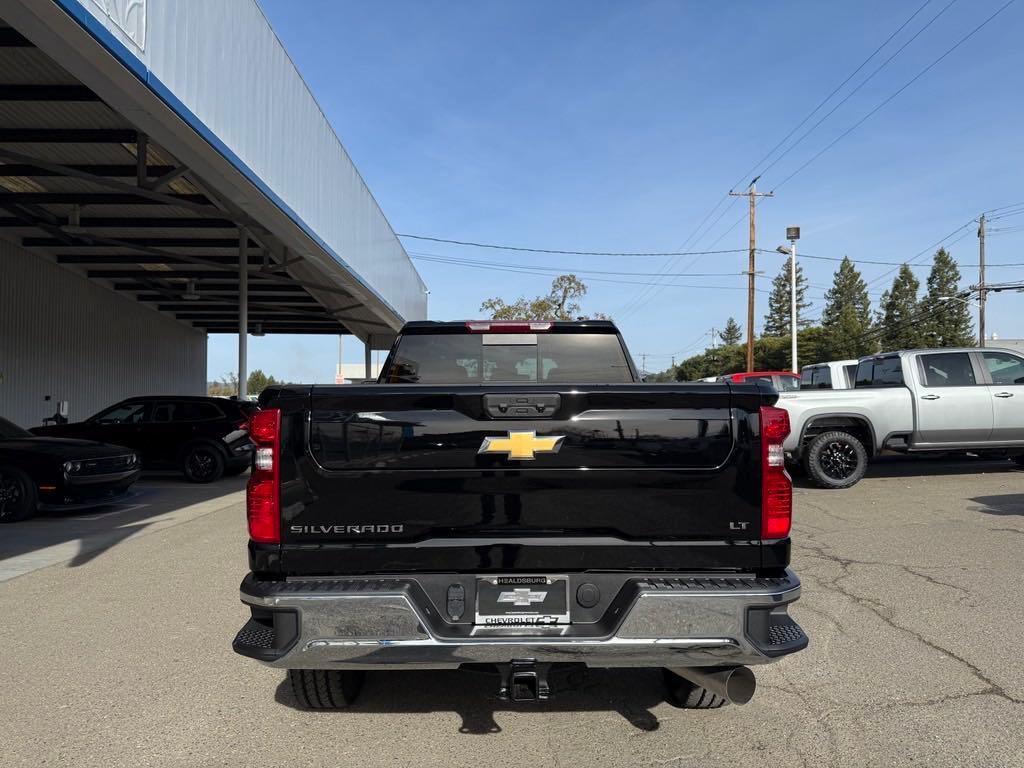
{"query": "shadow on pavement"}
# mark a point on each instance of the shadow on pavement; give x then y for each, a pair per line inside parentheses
(922, 466)
(99, 529)
(1005, 504)
(473, 696)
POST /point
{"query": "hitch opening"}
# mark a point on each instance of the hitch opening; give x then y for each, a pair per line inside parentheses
(524, 680)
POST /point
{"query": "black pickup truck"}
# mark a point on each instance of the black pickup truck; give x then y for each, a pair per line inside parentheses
(511, 494)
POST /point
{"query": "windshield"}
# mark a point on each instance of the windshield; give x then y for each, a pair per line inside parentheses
(513, 358)
(9, 431)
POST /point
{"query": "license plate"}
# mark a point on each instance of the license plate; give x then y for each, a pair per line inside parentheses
(522, 600)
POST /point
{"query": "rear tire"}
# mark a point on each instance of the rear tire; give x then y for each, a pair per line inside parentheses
(202, 463)
(681, 693)
(835, 460)
(18, 497)
(325, 688)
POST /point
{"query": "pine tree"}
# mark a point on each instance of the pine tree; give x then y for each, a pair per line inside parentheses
(898, 319)
(945, 323)
(732, 333)
(846, 320)
(776, 322)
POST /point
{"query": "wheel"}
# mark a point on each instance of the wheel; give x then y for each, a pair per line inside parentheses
(17, 495)
(325, 688)
(835, 460)
(203, 463)
(681, 693)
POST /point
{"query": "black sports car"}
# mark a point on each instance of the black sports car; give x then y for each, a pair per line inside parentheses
(54, 473)
(204, 437)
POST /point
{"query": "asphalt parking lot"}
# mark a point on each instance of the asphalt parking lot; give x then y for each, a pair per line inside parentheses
(116, 649)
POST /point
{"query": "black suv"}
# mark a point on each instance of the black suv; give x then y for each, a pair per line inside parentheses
(205, 437)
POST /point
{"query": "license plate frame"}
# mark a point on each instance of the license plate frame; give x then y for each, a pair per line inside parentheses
(521, 600)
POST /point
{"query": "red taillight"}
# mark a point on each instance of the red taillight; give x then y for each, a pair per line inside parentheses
(507, 326)
(776, 485)
(263, 493)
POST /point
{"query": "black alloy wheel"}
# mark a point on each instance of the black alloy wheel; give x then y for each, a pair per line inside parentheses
(17, 495)
(838, 459)
(203, 464)
(835, 460)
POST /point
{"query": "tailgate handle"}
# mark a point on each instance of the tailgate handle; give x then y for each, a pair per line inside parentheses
(516, 406)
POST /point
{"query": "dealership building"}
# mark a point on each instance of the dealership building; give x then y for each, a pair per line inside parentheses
(165, 174)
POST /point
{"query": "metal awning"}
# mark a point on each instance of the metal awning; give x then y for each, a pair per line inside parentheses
(81, 185)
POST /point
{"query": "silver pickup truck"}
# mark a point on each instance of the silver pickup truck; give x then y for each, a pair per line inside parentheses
(914, 401)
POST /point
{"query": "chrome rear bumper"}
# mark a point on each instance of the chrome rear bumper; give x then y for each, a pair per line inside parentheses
(678, 621)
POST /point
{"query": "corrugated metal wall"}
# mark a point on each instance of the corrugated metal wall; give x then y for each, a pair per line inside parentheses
(224, 62)
(63, 336)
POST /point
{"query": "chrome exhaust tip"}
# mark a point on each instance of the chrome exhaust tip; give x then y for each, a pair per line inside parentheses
(734, 684)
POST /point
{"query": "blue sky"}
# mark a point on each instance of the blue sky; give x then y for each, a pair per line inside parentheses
(605, 126)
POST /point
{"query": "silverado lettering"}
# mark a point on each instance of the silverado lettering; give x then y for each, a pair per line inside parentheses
(556, 510)
(347, 528)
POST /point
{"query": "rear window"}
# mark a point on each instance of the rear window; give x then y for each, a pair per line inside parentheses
(948, 369)
(788, 383)
(508, 358)
(185, 411)
(880, 372)
(816, 378)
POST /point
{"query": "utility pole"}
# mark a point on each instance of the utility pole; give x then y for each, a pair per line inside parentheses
(643, 363)
(751, 194)
(981, 281)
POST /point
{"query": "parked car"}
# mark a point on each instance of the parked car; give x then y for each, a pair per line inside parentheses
(913, 401)
(512, 494)
(837, 374)
(43, 473)
(783, 381)
(204, 437)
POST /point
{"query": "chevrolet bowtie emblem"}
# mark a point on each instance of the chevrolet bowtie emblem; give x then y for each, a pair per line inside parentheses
(522, 597)
(522, 446)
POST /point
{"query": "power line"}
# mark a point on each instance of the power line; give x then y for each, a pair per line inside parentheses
(863, 82)
(533, 271)
(888, 263)
(836, 90)
(906, 85)
(559, 270)
(564, 253)
(648, 294)
(630, 307)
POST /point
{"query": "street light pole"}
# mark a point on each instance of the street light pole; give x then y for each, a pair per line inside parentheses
(792, 304)
(792, 234)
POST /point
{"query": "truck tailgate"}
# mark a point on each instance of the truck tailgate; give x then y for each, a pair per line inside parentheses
(645, 476)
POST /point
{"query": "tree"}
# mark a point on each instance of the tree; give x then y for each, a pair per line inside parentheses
(257, 381)
(776, 322)
(732, 334)
(226, 387)
(945, 323)
(561, 303)
(846, 319)
(899, 315)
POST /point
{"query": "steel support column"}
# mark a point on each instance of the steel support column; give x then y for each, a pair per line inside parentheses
(243, 311)
(369, 357)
